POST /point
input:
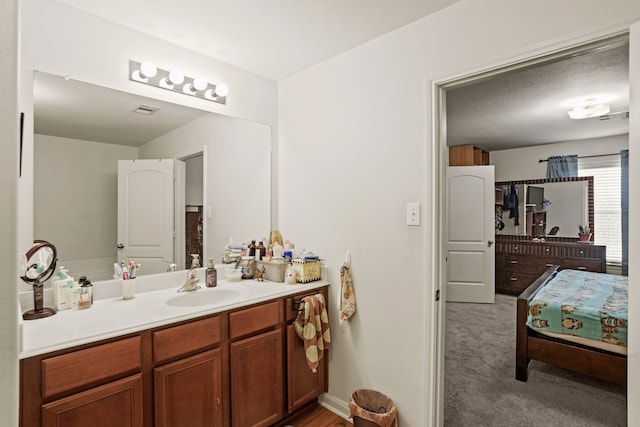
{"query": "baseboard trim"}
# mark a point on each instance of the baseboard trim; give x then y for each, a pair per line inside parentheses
(335, 405)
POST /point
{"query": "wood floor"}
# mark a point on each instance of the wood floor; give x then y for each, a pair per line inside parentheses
(320, 417)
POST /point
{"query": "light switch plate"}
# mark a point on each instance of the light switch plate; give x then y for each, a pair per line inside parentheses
(413, 213)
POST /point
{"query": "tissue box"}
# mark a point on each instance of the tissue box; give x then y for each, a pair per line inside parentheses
(306, 271)
(273, 271)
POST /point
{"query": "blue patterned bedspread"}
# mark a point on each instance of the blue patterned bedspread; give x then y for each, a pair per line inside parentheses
(584, 304)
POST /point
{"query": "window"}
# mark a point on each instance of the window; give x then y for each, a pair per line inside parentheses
(607, 210)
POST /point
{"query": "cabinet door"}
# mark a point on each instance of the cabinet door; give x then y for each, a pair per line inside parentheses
(256, 380)
(115, 404)
(303, 385)
(188, 392)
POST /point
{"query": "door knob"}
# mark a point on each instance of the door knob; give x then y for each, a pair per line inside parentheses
(489, 243)
(120, 246)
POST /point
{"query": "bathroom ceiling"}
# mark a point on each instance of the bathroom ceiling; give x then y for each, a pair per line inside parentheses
(278, 38)
(274, 38)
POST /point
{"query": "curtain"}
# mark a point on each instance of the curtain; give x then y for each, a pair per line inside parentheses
(624, 201)
(562, 166)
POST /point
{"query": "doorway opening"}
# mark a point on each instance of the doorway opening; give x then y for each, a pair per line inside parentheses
(441, 134)
(191, 210)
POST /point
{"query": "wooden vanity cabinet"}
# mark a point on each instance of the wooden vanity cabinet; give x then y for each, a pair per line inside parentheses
(188, 390)
(93, 385)
(233, 368)
(303, 385)
(255, 350)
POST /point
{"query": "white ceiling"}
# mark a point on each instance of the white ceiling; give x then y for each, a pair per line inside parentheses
(530, 106)
(72, 109)
(278, 38)
(274, 38)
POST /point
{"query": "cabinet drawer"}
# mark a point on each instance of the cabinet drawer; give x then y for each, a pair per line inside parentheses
(254, 319)
(516, 282)
(179, 340)
(90, 366)
(529, 264)
(585, 264)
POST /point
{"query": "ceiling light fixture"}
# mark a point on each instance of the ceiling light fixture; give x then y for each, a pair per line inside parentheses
(589, 110)
(148, 73)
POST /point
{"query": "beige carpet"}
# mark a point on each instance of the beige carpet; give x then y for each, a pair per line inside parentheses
(480, 384)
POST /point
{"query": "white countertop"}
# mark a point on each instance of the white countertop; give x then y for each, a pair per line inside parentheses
(111, 316)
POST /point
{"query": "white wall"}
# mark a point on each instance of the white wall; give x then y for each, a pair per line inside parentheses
(237, 174)
(357, 127)
(62, 40)
(76, 200)
(522, 163)
(8, 216)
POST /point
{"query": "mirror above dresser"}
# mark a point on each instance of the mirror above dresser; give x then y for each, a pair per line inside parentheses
(549, 208)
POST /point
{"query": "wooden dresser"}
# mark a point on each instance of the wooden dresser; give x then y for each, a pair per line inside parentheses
(520, 262)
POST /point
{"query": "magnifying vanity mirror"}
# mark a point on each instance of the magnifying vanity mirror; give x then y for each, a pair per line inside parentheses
(39, 265)
(82, 132)
(545, 207)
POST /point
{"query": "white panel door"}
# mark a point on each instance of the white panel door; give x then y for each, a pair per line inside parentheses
(146, 213)
(470, 193)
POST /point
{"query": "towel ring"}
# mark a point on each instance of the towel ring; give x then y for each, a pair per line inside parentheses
(297, 305)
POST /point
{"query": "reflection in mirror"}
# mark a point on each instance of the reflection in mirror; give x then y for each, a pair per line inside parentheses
(82, 131)
(544, 205)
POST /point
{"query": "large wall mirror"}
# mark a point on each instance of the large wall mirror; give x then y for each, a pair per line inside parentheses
(82, 131)
(545, 207)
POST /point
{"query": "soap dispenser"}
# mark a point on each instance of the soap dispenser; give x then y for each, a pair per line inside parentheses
(212, 274)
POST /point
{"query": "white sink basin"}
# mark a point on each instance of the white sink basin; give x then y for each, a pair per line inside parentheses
(220, 295)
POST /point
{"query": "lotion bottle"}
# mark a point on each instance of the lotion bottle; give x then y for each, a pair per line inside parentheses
(212, 274)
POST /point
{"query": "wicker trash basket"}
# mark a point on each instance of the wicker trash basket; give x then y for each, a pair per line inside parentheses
(370, 408)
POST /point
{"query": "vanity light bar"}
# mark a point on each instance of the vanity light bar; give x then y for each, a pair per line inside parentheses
(148, 73)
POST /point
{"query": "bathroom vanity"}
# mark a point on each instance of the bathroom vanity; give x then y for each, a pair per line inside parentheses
(164, 359)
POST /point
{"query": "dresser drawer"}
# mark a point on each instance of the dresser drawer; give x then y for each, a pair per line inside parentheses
(254, 319)
(183, 339)
(516, 282)
(529, 264)
(90, 366)
(584, 264)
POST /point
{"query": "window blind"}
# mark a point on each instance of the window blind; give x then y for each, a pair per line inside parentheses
(607, 210)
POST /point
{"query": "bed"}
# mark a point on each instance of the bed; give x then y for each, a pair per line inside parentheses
(555, 340)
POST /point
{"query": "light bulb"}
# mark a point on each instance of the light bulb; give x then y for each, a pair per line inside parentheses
(222, 89)
(176, 77)
(148, 70)
(200, 84)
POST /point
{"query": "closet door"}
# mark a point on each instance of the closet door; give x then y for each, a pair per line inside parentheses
(470, 234)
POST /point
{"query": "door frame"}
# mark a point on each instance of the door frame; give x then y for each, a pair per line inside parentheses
(180, 240)
(437, 163)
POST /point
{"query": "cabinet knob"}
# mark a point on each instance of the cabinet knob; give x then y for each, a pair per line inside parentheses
(548, 264)
(513, 279)
(514, 262)
(582, 268)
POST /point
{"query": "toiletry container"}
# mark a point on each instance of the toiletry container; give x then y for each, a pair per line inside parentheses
(86, 295)
(212, 274)
(252, 249)
(61, 287)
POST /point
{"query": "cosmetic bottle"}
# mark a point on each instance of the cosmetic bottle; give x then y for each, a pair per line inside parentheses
(252, 249)
(61, 287)
(86, 295)
(212, 274)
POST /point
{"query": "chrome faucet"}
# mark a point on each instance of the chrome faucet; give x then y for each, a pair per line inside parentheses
(192, 282)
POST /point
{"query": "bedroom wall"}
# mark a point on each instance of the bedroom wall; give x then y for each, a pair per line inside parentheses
(522, 163)
(355, 137)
